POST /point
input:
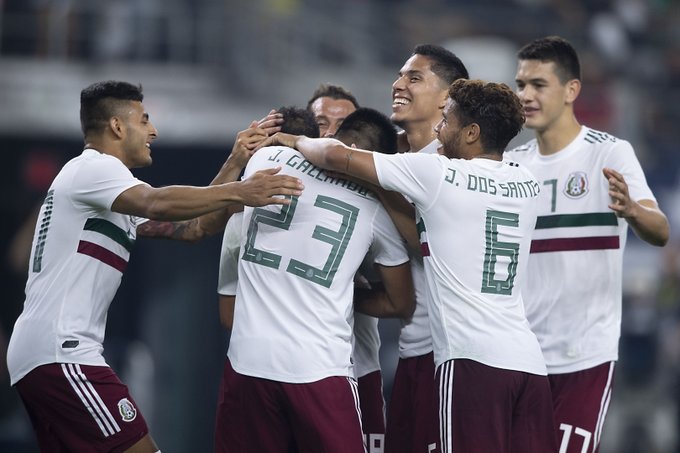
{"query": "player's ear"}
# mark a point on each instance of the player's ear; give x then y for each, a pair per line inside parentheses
(473, 132)
(573, 88)
(116, 126)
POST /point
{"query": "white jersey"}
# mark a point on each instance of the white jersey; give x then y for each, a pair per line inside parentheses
(227, 280)
(80, 250)
(477, 220)
(366, 346)
(573, 298)
(415, 338)
(293, 313)
(366, 338)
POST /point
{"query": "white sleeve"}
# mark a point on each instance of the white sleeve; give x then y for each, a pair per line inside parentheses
(227, 280)
(622, 158)
(415, 175)
(101, 181)
(387, 248)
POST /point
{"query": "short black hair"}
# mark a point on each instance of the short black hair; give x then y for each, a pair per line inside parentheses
(493, 106)
(368, 129)
(102, 100)
(334, 92)
(445, 64)
(557, 50)
(298, 121)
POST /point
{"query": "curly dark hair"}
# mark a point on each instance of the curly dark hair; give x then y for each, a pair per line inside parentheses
(334, 92)
(557, 50)
(493, 106)
(368, 129)
(103, 100)
(298, 121)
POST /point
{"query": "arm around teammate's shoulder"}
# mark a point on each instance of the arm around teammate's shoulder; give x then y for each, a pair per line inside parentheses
(331, 154)
(185, 202)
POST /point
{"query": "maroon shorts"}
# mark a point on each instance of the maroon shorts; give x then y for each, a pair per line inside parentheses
(412, 420)
(580, 402)
(80, 408)
(259, 415)
(485, 409)
(372, 410)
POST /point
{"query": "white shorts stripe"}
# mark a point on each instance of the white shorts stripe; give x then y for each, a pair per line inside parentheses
(604, 405)
(76, 381)
(354, 386)
(445, 405)
(101, 404)
(84, 400)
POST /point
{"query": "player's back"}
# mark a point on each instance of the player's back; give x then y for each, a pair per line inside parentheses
(294, 300)
(485, 211)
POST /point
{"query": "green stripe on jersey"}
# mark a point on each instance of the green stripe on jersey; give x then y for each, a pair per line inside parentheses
(577, 220)
(110, 230)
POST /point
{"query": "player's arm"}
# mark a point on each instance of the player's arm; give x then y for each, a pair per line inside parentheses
(644, 216)
(192, 230)
(246, 142)
(332, 154)
(403, 215)
(187, 202)
(226, 308)
(213, 222)
(395, 298)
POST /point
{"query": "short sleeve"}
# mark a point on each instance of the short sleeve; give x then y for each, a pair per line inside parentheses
(388, 247)
(415, 175)
(231, 246)
(101, 180)
(622, 158)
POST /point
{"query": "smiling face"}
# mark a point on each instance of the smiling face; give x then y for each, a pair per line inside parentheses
(329, 114)
(545, 99)
(418, 94)
(138, 133)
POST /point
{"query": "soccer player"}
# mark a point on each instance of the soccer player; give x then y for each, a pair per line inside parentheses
(85, 231)
(293, 121)
(418, 98)
(592, 188)
(477, 216)
(289, 372)
(330, 105)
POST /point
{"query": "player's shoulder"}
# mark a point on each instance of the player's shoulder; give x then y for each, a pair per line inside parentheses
(519, 169)
(594, 136)
(523, 150)
(601, 141)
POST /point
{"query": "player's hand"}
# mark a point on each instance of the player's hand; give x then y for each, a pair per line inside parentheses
(621, 203)
(266, 187)
(281, 139)
(271, 123)
(247, 141)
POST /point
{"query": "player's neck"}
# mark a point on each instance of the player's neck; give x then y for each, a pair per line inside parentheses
(558, 136)
(419, 136)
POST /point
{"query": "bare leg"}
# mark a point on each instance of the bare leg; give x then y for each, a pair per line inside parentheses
(145, 445)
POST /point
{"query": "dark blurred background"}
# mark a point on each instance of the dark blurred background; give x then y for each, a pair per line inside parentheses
(209, 67)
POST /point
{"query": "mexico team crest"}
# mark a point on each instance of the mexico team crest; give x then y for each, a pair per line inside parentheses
(127, 410)
(577, 184)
